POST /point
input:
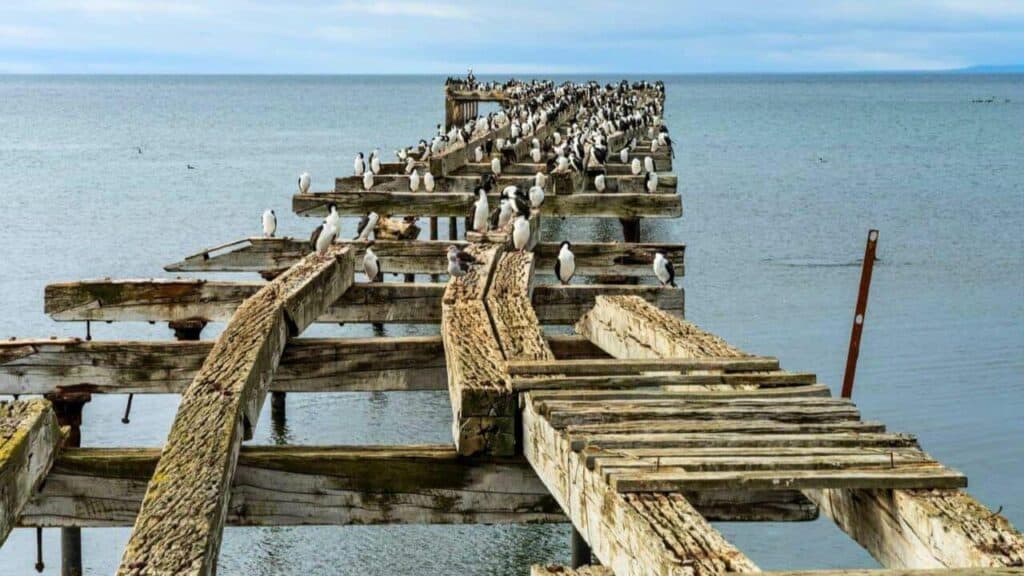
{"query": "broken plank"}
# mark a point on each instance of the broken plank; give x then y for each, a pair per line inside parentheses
(179, 527)
(29, 441)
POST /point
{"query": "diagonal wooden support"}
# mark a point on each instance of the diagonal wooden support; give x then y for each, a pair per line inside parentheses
(29, 441)
(179, 528)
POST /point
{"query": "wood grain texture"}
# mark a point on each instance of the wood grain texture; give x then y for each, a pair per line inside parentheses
(179, 527)
(29, 441)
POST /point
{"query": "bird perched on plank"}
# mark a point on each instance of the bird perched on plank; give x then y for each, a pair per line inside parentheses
(478, 154)
(428, 181)
(565, 264)
(634, 167)
(599, 183)
(663, 270)
(359, 164)
(624, 155)
(652, 182)
(496, 166)
(269, 223)
(304, 181)
(648, 164)
(366, 227)
(480, 211)
(324, 236)
(414, 181)
(459, 262)
(536, 196)
(375, 161)
(367, 180)
(520, 232)
(541, 179)
(371, 265)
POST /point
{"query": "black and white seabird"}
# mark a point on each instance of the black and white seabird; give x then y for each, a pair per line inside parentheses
(663, 270)
(599, 183)
(269, 223)
(371, 265)
(648, 164)
(428, 181)
(459, 262)
(478, 154)
(635, 167)
(481, 211)
(367, 180)
(565, 264)
(624, 155)
(536, 196)
(359, 164)
(414, 181)
(304, 181)
(652, 182)
(520, 232)
(375, 161)
(496, 166)
(366, 227)
(324, 236)
(541, 179)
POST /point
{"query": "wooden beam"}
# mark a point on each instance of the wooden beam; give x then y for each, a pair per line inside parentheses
(268, 255)
(483, 406)
(159, 300)
(308, 485)
(619, 366)
(152, 367)
(633, 534)
(347, 485)
(29, 441)
(923, 528)
(468, 178)
(629, 328)
(678, 480)
(458, 204)
(761, 380)
(508, 301)
(556, 570)
(892, 572)
(179, 527)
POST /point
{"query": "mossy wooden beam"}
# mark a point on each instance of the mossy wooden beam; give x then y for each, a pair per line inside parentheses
(29, 441)
(270, 255)
(308, 485)
(160, 300)
(467, 181)
(458, 204)
(179, 527)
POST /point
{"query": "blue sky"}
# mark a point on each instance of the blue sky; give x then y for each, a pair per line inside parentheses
(553, 36)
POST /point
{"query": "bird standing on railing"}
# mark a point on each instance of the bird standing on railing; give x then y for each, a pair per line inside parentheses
(304, 181)
(480, 211)
(414, 181)
(269, 223)
(366, 226)
(428, 181)
(520, 232)
(565, 264)
(663, 270)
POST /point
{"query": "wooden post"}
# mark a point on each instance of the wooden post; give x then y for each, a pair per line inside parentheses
(68, 407)
(187, 330)
(581, 552)
(29, 441)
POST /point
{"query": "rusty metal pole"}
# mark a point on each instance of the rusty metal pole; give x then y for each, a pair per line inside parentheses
(581, 553)
(68, 407)
(858, 314)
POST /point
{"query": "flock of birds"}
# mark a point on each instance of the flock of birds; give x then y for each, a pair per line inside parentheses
(600, 112)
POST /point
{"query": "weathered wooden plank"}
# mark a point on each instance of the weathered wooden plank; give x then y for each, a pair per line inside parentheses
(157, 300)
(895, 572)
(556, 570)
(458, 204)
(765, 460)
(153, 367)
(508, 302)
(29, 441)
(902, 477)
(628, 328)
(748, 426)
(630, 533)
(596, 413)
(619, 366)
(270, 255)
(923, 528)
(179, 527)
(620, 441)
(785, 383)
(304, 485)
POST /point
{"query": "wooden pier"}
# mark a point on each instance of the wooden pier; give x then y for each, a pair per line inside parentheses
(639, 429)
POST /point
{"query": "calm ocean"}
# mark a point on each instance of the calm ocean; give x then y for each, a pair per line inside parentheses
(781, 177)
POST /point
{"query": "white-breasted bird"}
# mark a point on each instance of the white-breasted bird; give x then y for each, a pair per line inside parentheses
(624, 155)
(541, 179)
(520, 232)
(496, 166)
(304, 181)
(428, 181)
(269, 223)
(375, 161)
(410, 165)
(600, 183)
(459, 262)
(663, 270)
(367, 180)
(480, 212)
(328, 233)
(505, 212)
(654, 145)
(478, 154)
(536, 196)
(535, 154)
(371, 265)
(333, 218)
(359, 164)
(366, 227)
(634, 167)
(414, 181)
(565, 264)
(648, 164)
(652, 182)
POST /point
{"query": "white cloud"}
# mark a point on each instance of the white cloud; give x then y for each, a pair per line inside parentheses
(400, 8)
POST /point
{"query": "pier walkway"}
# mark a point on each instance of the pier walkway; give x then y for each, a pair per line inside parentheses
(639, 429)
